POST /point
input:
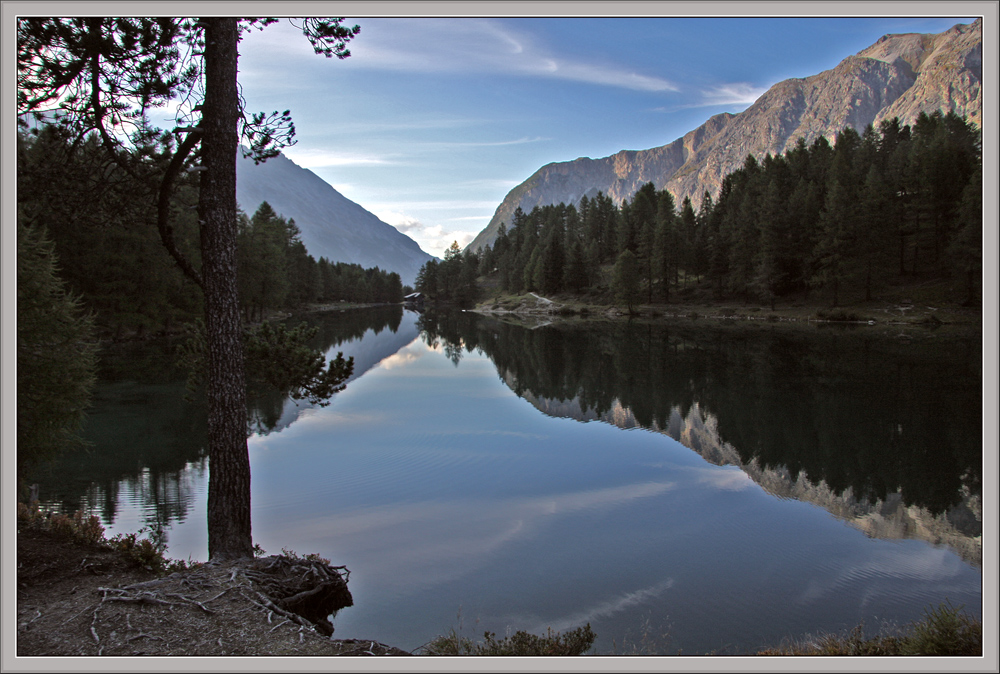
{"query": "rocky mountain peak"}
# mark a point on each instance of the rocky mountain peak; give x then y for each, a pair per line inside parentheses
(901, 75)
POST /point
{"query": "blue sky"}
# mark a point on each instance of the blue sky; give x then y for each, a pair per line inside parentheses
(432, 121)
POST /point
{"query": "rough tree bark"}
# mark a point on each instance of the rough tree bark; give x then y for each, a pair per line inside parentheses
(229, 534)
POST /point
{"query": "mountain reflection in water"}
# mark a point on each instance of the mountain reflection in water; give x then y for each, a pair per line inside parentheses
(437, 480)
(149, 435)
(883, 434)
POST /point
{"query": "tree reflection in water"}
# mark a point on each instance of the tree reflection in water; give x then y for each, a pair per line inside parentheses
(860, 420)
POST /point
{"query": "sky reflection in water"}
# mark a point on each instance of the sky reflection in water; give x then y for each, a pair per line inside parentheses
(454, 501)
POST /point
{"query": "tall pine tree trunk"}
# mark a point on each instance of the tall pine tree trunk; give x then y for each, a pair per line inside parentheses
(229, 460)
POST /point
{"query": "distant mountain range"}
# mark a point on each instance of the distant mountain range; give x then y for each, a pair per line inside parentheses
(332, 225)
(898, 76)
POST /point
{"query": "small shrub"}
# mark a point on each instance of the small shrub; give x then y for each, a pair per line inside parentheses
(89, 530)
(945, 631)
(312, 556)
(149, 552)
(574, 642)
(450, 644)
(62, 525)
(855, 643)
(75, 527)
(28, 515)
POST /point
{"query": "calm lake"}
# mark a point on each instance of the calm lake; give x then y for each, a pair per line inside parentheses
(681, 486)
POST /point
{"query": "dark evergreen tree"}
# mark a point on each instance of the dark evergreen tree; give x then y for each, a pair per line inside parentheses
(699, 242)
(553, 261)
(100, 219)
(427, 278)
(577, 276)
(873, 248)
(625, 279)
(667, 247)
(645, 214)
(769, 278)
(264, 245)
(601, 225)
(56, 356)
(741, 223)
(837, 227)
(966, 247)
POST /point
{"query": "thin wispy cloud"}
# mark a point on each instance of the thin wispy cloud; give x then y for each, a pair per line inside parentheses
(471, 218)
(474, 143)
(318, 158)
(483, 46)
(488, 183)
(742, 93)
(430, 204)
(370, 127)
(737, 94)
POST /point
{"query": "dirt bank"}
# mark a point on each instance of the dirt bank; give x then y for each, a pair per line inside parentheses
(86, 599)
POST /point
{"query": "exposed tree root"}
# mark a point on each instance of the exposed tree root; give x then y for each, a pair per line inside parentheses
(276, 605)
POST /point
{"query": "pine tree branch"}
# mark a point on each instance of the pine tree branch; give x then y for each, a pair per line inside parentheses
(163, 206)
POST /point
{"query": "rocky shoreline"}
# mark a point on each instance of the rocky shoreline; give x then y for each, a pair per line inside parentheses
(894, 313)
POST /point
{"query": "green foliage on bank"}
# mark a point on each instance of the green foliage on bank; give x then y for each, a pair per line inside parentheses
(146, 548)
(943, 631)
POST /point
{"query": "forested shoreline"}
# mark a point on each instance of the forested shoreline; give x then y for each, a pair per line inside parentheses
(825, 223)
(101, 222)
(96, 266)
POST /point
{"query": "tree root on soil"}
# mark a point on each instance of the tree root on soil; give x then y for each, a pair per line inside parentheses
(280, 605)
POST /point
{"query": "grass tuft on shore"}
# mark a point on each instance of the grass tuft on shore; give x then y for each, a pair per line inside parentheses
(945, 630)
(574, 642)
